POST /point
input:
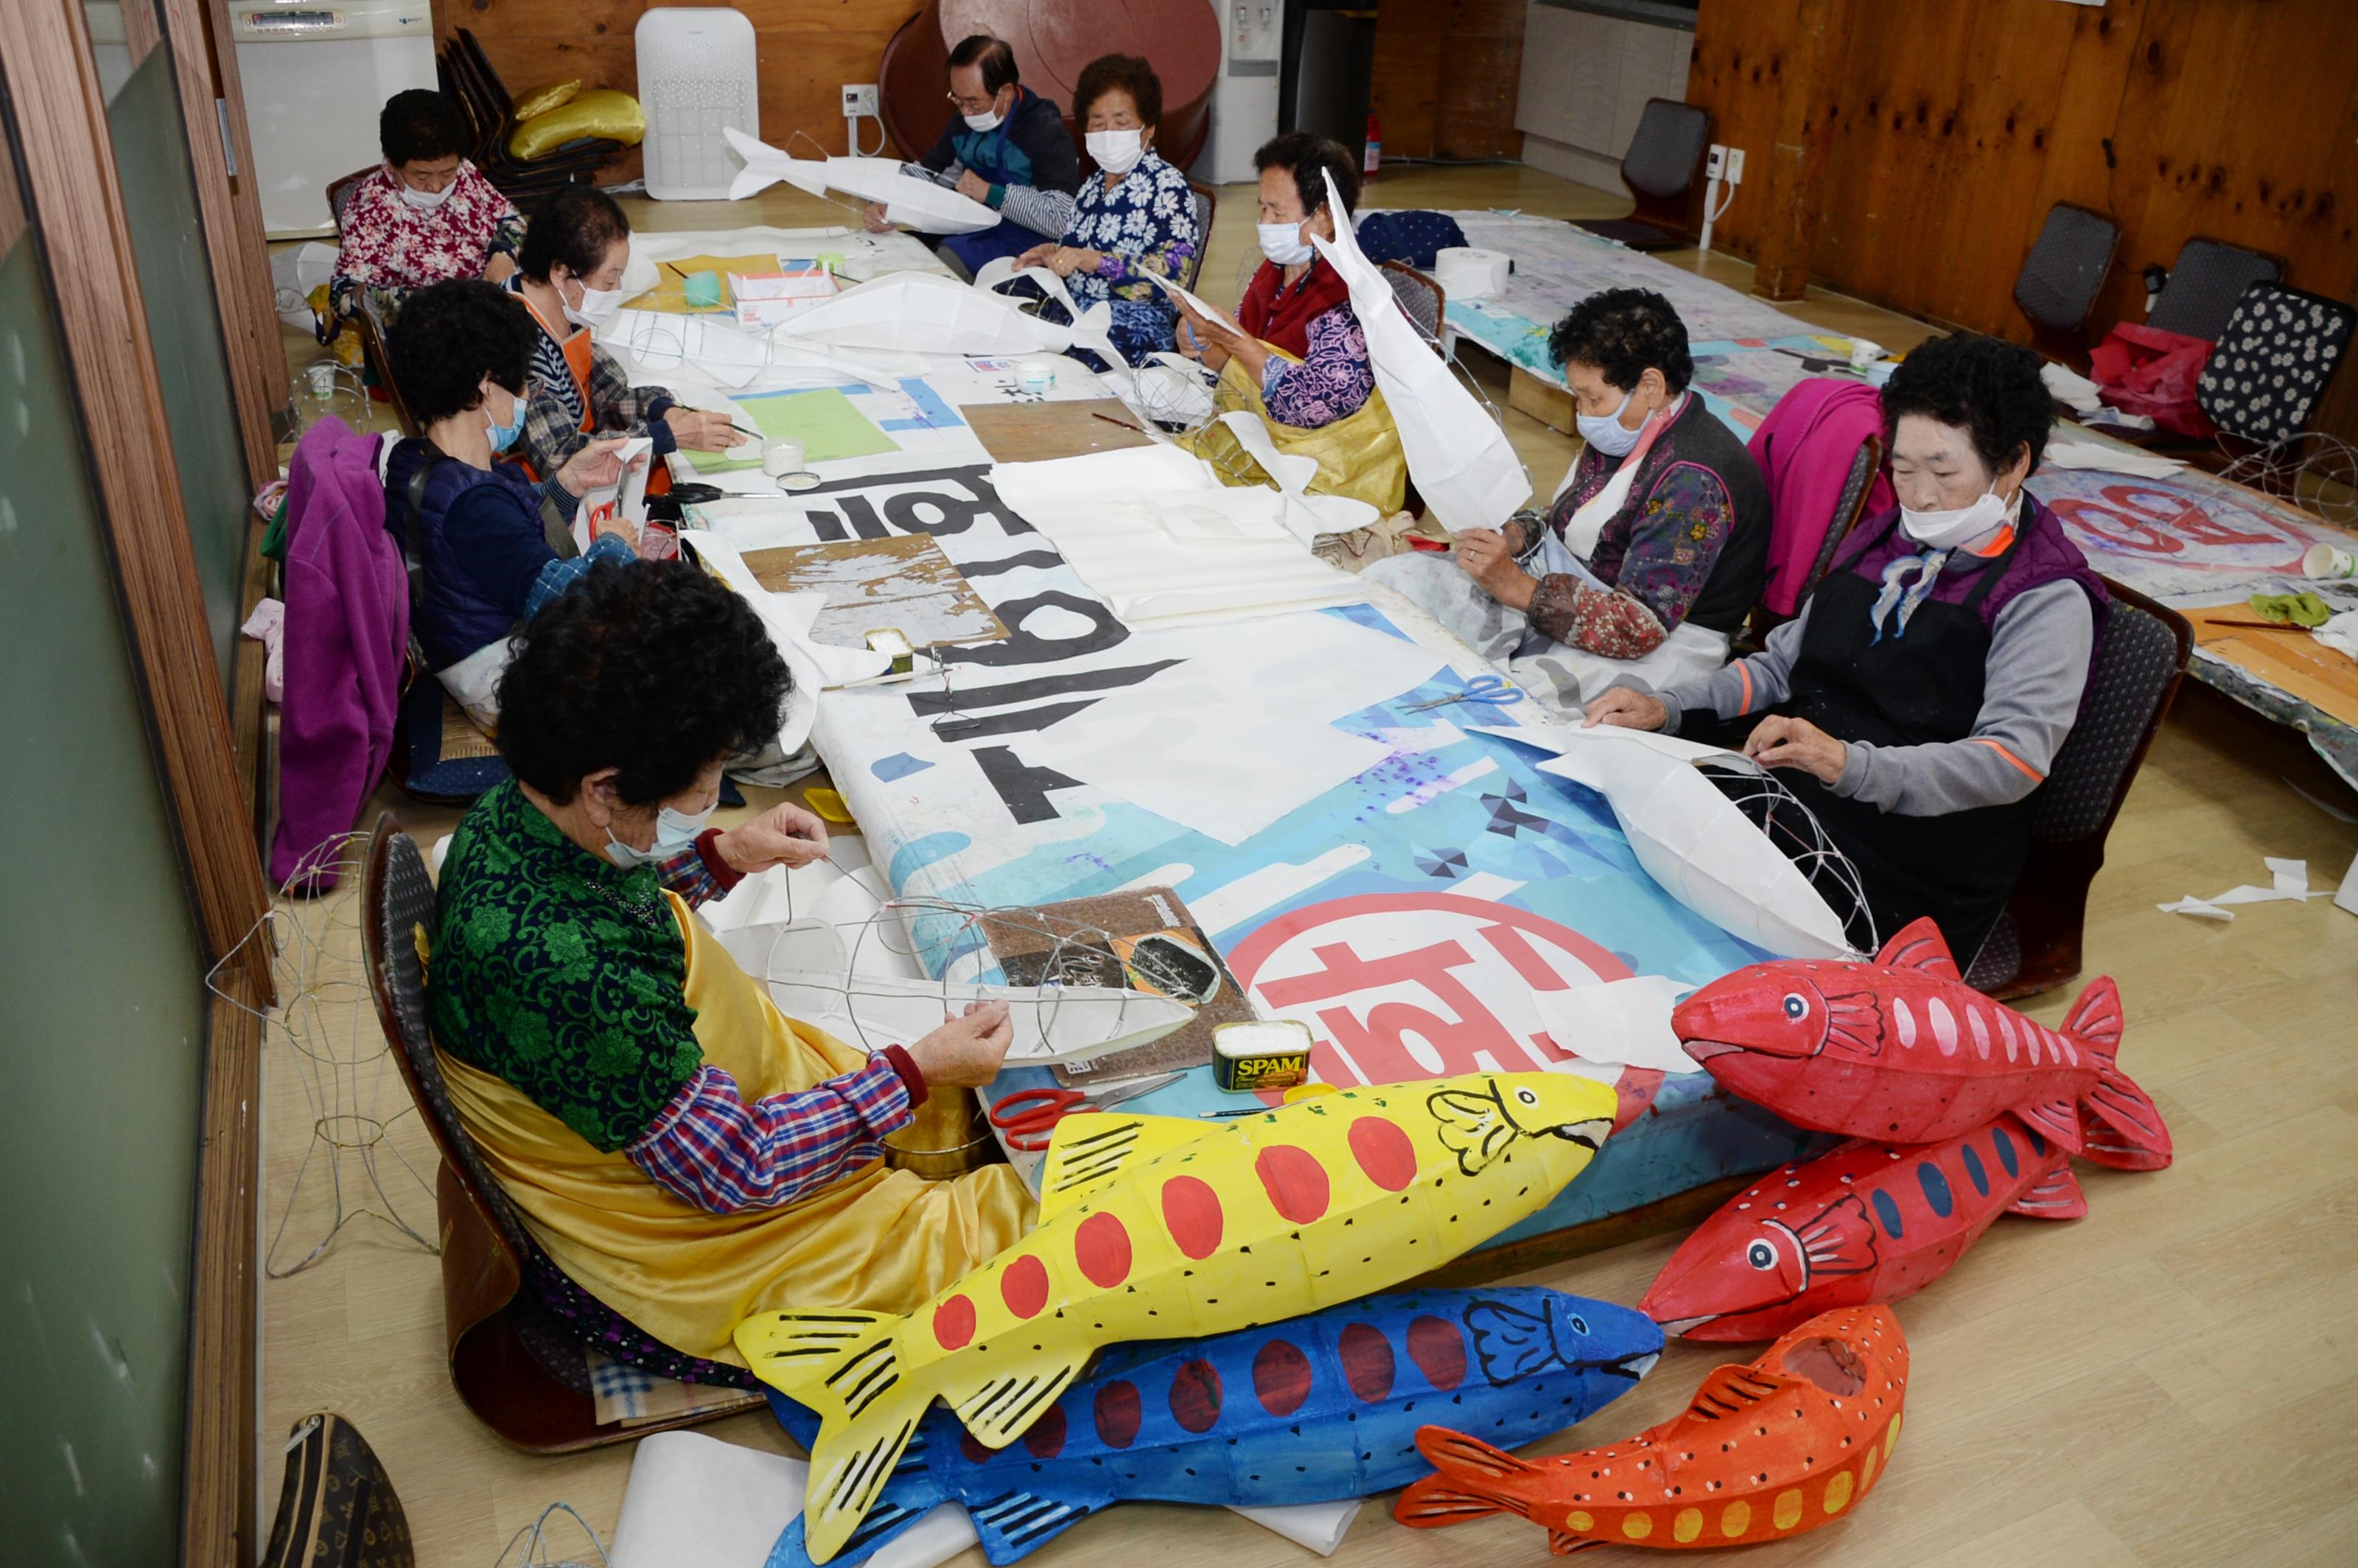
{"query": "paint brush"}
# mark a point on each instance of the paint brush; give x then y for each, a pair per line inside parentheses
(1119, 424)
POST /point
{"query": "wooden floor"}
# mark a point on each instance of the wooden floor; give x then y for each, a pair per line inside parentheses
(2170, 1380)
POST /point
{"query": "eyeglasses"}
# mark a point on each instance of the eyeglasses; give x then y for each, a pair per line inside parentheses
(971, 105)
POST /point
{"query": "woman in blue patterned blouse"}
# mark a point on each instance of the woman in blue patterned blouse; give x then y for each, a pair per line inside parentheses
(1135, 217)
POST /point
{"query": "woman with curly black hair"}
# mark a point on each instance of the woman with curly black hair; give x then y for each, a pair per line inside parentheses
(493, 545)
(680, 1149)
(1656, 545)
(1923, 691)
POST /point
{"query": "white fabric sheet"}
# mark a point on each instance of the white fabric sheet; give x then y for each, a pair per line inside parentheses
(694, 1501)
(1239, 733)
(920, 313)
(2068, 454)
(1153, 531)
(1624, 1022)
(920, 203)
(1463, 465)
(1691, 839)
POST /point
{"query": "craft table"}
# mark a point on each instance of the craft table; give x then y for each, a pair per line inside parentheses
(2191, 540)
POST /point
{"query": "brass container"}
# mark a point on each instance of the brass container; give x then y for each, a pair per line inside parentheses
(947, 1137)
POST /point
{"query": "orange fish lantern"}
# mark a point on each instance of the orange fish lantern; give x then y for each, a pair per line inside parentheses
(1901, 1050)
(1781, 1446)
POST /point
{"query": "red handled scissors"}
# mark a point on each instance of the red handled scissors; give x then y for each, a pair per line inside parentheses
(1029, 1117)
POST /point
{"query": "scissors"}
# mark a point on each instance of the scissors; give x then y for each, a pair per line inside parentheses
(1029, 1116)
(1489, 690)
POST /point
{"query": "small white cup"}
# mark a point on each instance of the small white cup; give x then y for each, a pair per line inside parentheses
(1863, 354)
(322, 377)
(782, 458)
(2327, 563)
(1036, 376)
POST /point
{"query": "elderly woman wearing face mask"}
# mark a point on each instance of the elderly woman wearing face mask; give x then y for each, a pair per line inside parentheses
(1301, 361)
(1655, 547)
(570, 273)
(1923, 691)
(425, 216)
(1136, 217)
(681, 1150)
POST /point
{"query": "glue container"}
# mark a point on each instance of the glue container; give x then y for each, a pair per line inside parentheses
(1261, 1056)
(1036, 376)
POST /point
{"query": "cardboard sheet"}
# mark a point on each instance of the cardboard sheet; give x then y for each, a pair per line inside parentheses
(1036, 432)
(2290, 660)
(902, 582)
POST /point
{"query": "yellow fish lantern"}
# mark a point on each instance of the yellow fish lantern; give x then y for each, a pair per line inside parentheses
(1154, 1228)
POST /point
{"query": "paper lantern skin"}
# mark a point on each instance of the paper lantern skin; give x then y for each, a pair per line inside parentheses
(1159, 1227)
(1866, 1223)
(1316, 1408)
(1901, 1049)
(1781, 1446)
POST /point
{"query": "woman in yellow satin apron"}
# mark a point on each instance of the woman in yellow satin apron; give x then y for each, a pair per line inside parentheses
(680, 1149)
(1301, 361)
(569, 272)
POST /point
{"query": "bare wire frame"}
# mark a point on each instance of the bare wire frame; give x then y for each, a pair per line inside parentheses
(1779, 813)
(327, 1020)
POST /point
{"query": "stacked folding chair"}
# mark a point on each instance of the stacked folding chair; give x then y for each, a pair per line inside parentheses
(468, 77)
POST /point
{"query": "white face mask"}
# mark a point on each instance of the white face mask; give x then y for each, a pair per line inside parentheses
(675, 833)
(1958, 525)
(988, 120)
(426, 200)
(596, 307)
(1605, 432)
(1117, 152)
(1283, 243)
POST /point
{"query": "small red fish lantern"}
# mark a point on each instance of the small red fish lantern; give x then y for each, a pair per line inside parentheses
(1868, 1222)
(1902, 1050)
(1781, 1446)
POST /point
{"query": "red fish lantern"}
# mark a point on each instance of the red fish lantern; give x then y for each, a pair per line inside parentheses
(1781, 1446)
(1869, 1222)
(1902, 1049)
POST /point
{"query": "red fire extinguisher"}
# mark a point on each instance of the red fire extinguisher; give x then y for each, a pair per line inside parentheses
(1374, 158)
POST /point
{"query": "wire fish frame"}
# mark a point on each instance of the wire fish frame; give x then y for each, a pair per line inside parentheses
(2328, 463)
(327, 1017)
(952, 941)
(1795, 830)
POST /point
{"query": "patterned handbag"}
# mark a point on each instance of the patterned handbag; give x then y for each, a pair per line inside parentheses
(337, 1509)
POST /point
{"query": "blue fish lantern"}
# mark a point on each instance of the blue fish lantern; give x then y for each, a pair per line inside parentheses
(1317, 1409)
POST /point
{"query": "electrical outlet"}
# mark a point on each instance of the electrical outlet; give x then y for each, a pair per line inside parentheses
(1736, 166)
(1716, 167)
(861, 100)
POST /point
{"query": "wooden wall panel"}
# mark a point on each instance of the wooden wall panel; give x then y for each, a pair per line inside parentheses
(807, 50)
(1951, 125)
(1445, 75)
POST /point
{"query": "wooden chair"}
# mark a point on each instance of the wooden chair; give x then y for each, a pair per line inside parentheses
(489, 1323)
(340, 192)
(1660, 169)
(2061, 274)
(1421, 300)
(1207, 202)
(372, 328)
(2036, 943)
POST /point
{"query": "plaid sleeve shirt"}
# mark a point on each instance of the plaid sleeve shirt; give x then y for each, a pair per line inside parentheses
(711, 1147)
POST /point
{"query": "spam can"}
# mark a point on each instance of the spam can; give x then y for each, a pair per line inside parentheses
(1261, 1056)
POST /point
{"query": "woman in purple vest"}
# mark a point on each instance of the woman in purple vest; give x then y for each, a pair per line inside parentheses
(1922, 694)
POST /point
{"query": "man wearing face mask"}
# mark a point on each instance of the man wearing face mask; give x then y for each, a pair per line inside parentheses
(570, 273)
(1301, 361)
(1005, 146)
(1136, 218)
(1922, 693)
(426, 215)
(1655, 547)
(491, 546)
(681, 1150)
